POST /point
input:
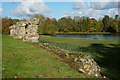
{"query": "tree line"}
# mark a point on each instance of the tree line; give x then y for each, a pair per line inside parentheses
(6, 23)
(78, 24)
(67, 24)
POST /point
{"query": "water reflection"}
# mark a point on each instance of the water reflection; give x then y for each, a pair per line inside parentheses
(107, 37)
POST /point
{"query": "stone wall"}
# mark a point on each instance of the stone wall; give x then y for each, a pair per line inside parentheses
(81, 62)
(26, 30)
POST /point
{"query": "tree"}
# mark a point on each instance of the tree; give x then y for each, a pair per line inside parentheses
(111, 26)
(77, 18)
(119, 26)
(14, 21)
(41, 22)
(62, 24)
(116, 16)
(106, 22)
(93, 25)
(116, 21)
(101, 25)
(6, 23)
(50, 28)
(54, 21)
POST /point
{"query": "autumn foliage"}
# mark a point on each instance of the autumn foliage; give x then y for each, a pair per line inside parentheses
(6, 23)
(68, 24)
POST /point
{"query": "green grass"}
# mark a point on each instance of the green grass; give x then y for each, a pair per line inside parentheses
(104, 52)
(0, 56)
(27, 60)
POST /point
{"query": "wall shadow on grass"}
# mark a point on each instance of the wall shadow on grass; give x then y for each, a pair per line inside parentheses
(108, 58)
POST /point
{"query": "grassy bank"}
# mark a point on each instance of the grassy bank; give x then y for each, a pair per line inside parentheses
(105, 52)
(27, 60)
(82, 33)
(0, 56)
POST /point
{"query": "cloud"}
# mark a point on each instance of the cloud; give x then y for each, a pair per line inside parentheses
(79, 5)
(30, 8)
(104, 1)
(119, 4)
(65, 14)
(95, 9)
(95, 5)
(104, 5)
(50, 16)
(97, 14)
(1, 12)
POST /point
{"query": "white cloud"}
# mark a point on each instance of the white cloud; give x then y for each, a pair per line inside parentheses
(65, 14)
(104, 1)
(50, 16)
(97, 14)
(81, 4)
(27, 0)
(28, 9)
(95, 5)
(0, 11)
(104, 5)
(96, 9)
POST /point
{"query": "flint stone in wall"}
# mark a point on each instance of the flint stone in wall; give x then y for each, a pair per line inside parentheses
(88, 65)
(32, 35)
(12, 27)
(21, 31)
(32, 29)
(13, 32)
(23, 25)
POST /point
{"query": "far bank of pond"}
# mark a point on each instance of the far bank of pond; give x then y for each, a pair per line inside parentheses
(83, 33)
(92, 36)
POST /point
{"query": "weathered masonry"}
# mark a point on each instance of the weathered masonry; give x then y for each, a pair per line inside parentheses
(26, 30)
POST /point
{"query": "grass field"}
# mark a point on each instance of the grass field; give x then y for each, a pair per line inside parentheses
(26, 60)
(105, 52)
(0, 56)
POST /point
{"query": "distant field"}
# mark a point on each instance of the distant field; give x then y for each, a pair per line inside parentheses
(27, 60)
(105, 52)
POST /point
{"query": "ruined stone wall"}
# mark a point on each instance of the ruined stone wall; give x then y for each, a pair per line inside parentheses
(26, 30)
(81, 62)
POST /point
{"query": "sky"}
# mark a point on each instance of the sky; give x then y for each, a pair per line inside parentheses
(26, 9)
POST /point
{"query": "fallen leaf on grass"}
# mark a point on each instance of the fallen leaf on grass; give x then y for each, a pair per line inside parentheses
(13, 54)
(46, 75)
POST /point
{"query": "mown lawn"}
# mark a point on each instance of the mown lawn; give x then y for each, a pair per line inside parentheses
(105, 52)
(27, 60)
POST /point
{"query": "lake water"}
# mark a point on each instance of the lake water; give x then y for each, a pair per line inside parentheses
(107, 37)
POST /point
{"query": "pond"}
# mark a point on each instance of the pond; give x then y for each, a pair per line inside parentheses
(107, 37)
